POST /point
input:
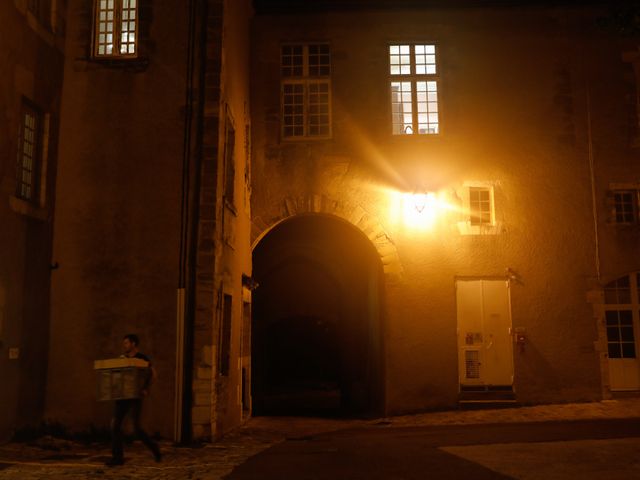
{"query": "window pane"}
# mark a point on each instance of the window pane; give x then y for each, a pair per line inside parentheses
(292, 60)
(27, 155)
(318, 108)
(104, 23)
(425, 59)
(625, 206)
(626, 334)
(479, 205)
(319, 60)
(399, 60)
(613, 334)
(628, 350)
(614, 350)
(293, 109)
(618, 291)
(401, 108)
(626, 317)
(427, 124)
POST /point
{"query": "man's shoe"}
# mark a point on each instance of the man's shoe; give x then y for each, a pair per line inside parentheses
(113, 462)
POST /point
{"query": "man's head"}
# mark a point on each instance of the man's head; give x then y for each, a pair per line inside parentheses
(130, 343)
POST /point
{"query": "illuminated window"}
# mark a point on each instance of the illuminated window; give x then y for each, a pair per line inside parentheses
(29, 153)
(480, 206)
(622, 309)
(306, 91)
(478, 212)
(116, 28)
(625, 206)
(414, 89)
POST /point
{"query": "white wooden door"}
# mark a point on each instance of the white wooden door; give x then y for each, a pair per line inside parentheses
(622, 324)
(484, 332)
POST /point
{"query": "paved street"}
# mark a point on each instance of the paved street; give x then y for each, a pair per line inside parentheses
(588, 441)
(549, 450)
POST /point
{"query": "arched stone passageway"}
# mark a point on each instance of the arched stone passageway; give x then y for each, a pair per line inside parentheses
(317, 317)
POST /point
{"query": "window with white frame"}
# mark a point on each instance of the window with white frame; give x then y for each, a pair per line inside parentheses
(478, 215)
(625, 205)
(414, 89)
(622, 309)
(480, 206)
(29, 153)
(116, 28)
(306, 91)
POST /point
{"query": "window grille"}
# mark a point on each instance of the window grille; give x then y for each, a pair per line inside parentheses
(480, 206)
(30, 145)
(625, 206)
(622, 308)
(306, 91)
(618, 291)
(116, 28)
(414, 89)
(620, 336)
(472, 364)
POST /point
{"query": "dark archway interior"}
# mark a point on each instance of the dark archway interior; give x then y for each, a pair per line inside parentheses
(316, 335)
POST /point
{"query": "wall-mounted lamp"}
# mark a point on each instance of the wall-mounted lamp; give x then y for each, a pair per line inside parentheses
(420, 201)
(418, 210)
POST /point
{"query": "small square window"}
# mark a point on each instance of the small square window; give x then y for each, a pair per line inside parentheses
(480, 206)
(625, 205)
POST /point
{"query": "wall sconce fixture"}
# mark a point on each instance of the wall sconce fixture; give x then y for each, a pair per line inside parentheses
(420, 201)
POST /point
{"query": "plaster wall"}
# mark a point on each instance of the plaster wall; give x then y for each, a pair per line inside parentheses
(31, 64)
(513, 109)
(118, 213)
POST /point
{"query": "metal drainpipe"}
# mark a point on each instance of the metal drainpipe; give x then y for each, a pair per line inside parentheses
(592, 176)
(184, 303)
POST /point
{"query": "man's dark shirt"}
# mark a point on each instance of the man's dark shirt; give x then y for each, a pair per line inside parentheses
(147, 381)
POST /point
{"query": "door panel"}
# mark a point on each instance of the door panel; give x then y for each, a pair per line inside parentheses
(484, 322)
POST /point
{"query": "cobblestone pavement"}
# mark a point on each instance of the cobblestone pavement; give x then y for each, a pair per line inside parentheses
(53, 458)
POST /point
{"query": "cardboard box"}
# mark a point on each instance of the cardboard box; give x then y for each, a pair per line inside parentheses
(120, 378)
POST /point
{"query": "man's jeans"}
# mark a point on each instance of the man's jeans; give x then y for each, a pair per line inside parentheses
(122, 407)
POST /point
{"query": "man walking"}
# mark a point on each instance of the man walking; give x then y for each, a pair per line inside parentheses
(130, 344)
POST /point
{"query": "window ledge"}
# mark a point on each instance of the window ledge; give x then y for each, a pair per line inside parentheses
(310, 139)
(465, 228)
(135, 64)
(24, 207)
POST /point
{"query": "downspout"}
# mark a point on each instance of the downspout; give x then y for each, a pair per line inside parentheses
(592, 175)
(594, 202)
(188, 217)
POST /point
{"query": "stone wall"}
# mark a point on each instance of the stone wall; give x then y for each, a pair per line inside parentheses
(32, 66)
(514, 115)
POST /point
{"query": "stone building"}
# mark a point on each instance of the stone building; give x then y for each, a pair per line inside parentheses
(152, 215)
(447, 197)
(334, 207)
(31, 62)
